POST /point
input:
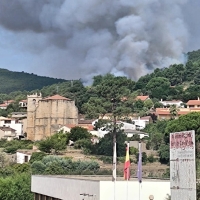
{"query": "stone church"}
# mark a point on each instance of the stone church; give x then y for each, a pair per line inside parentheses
(46, 115)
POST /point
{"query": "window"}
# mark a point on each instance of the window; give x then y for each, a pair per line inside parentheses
(25, 158)
(37, 196)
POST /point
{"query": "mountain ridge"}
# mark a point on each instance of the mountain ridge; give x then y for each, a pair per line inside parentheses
(11, 81)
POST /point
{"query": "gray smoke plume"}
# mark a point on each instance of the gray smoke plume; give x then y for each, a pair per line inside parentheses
(80, 39)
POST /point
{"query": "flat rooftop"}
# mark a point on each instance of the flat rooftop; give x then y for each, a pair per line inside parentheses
(100, 178)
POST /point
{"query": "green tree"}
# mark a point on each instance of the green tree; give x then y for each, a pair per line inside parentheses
(78, 133)
(56, 142)
(158, 87)
(164, 154)
(16, 187)
(46, 145)
(185, 123)
(104, 147)
(37, 156)
(59, 141)
(148, 103)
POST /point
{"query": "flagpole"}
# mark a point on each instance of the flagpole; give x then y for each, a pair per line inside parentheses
(128, 174)
(127, 189)
(114, 169)
(139, 173)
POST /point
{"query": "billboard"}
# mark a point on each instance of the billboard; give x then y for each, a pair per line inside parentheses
(182, 165)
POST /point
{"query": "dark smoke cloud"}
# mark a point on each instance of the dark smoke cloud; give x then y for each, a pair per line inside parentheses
(80, 39)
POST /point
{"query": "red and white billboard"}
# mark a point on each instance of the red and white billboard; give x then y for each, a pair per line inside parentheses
(182, 165)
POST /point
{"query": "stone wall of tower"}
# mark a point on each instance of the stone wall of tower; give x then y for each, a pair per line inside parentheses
(32, 104)
(52, 114)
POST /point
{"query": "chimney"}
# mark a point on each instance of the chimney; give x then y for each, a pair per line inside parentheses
(161, 100)
(198, 98)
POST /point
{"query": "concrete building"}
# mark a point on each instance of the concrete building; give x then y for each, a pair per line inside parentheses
(96, 188)
(23, 103)
(164, 113)
(141, 122)
(7, 133)
(45, 116)
(177, 103)
(23, 156)
(193, 103)
(18, 115)
(14, 124)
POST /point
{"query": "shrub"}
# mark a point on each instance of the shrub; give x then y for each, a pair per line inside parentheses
(56, 142)
(166, 174)
(21, 168)
(78, 133)
(14, 145)
(133, 151)
(38, 167)
(104, 172)
(121, 159)
(151, 158)
(37, 156)
(16, 187)
(83, 143)
(106, 159)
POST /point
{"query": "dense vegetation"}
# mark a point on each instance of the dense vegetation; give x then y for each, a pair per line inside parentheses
(21, 81)
(178, 81)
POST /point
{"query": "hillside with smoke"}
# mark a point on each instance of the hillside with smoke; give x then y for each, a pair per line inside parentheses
(80, 39)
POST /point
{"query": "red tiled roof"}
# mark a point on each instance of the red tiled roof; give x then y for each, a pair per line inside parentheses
(25, 100)
(193, 102)
(142, 98)
(88, 127)
(162, 111)
(3, 105)
(57, 97)
(145, 118)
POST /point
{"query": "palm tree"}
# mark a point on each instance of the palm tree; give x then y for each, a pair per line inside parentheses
(173, 111)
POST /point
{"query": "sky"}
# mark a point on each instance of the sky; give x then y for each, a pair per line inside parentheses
(83, 38)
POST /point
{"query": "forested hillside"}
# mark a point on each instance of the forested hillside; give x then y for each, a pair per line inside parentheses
(20, 81)
(180, 82)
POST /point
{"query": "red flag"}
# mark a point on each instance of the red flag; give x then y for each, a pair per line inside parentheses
(127, 164)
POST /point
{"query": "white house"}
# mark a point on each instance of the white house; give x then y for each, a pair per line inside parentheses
(7, 133)
(89, 128)
(141, 122)
(177, 103)
(23, 156)
(23, 103)
(124, 126)
(12, 123)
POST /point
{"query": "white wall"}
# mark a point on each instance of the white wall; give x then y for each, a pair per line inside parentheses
(17, 126)
(21, 157)
(159, 189)
(141, 124)
(66, 188)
